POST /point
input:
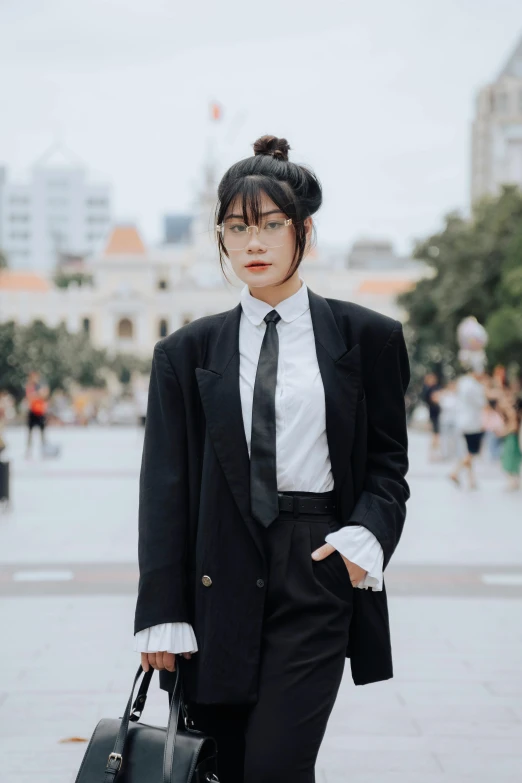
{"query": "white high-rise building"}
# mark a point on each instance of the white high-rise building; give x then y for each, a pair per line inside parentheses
(497, 131)
(57, 213)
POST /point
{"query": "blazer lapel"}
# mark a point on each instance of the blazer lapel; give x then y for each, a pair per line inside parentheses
(220, 396)
(340, 367)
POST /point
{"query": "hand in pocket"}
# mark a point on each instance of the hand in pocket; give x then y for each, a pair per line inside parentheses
(356, 573)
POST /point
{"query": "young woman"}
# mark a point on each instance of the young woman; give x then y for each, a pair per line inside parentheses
(272, 489)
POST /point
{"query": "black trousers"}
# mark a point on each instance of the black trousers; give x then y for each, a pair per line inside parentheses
(305, 635)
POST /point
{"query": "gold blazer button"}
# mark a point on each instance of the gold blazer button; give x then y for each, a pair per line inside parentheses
(207, 581)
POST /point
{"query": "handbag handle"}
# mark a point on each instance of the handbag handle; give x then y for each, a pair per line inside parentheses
(115, 759)
(141, 698)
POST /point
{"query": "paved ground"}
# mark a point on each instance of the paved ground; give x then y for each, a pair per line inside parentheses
(452, 713)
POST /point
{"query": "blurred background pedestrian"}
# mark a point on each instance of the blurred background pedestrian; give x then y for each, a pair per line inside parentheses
(492, 421)
(449, 436)
(429, 395)
(36, 396)
(471, 401)
(510, 412)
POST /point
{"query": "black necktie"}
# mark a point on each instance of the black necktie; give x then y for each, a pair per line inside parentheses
(263, 478)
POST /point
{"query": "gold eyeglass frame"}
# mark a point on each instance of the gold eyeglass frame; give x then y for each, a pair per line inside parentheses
(220, 228)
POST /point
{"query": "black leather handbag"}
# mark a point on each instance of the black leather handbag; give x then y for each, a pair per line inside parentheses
(125, 751)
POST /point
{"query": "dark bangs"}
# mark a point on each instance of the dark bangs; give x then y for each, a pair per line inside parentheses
(285, 183)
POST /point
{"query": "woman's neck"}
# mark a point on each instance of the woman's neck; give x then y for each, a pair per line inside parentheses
(273, 295)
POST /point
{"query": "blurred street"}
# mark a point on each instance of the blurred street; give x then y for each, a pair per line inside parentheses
(67, 590)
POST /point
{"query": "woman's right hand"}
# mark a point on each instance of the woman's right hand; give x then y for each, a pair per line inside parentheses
(160, 660)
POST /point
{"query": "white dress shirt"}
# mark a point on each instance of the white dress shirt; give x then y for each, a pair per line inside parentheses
(303, 461)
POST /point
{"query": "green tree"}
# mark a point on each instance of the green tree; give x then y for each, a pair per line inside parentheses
(12, 377)
(124, 364)
(476, 269)
(60, 356)
(64, 279)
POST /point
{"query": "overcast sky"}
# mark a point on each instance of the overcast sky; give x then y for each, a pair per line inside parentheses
(377, 96)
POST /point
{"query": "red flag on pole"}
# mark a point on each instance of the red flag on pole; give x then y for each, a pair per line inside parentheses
(215, 111)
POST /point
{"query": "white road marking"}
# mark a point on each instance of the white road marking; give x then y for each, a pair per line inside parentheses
(512, 580)
(43, 576)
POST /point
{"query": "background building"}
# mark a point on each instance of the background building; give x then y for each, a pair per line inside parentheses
(377, 254)
(140, 294)
(57, 213)
(497, 131)
(134, 294)
(177, 229)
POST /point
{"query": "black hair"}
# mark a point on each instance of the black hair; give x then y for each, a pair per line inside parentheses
(294, 188)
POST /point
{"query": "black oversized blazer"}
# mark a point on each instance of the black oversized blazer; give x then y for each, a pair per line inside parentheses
(194, 509)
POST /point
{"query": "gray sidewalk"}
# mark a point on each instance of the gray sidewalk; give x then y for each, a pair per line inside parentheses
(67, 584)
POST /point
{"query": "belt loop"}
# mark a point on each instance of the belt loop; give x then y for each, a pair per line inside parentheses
(295, 506)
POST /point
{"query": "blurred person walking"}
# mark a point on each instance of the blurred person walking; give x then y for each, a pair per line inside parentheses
(471, 401)
(141, 392)
(272, 489)
(447, 399)
(36, 396)
(511, 412)
(493, 426)
(4, 404)
(430, 395)
(492, 422)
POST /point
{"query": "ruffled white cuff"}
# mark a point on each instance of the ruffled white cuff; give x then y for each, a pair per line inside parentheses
(359, 545)
(167, 637)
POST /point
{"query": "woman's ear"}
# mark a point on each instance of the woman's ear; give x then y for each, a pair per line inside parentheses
(308, 224)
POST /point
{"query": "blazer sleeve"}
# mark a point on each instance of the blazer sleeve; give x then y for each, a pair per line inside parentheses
(163, 502)
(381, 506)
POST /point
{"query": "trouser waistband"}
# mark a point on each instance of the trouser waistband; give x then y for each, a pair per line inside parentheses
(298, 503)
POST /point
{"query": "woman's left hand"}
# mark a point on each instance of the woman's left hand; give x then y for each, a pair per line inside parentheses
(356, 573)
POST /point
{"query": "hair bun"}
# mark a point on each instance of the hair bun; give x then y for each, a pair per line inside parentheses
(271, 145)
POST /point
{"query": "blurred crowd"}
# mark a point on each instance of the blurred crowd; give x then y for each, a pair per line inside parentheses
(478, 413)
(78, 407)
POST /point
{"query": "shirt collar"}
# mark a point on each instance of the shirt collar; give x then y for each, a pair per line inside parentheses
(289, 309)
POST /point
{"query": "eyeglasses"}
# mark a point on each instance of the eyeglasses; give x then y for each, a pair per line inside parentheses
(235, 234)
